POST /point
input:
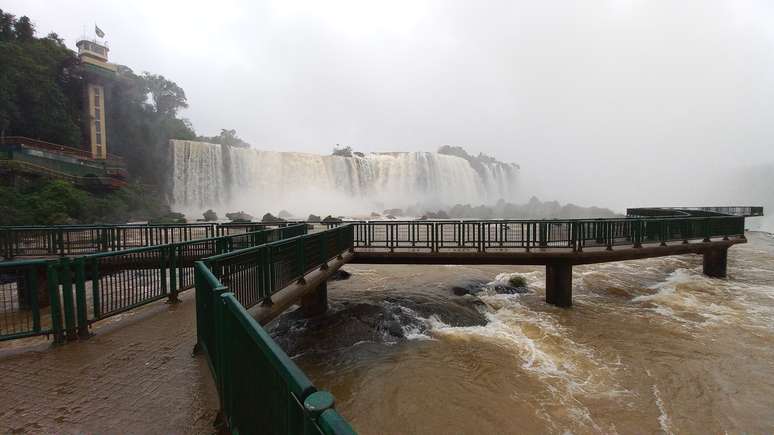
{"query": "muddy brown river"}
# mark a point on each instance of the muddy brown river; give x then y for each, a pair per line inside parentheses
(651, 346)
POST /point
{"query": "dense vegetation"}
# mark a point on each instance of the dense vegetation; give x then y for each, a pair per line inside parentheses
(59, 202)
(41, 96)
(41, 93)
(40, 89)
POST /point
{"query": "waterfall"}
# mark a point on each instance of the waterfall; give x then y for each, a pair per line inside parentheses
(226, 179)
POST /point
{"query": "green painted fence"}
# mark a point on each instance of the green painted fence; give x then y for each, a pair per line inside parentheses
(570, 234)
(63, 240)
(261, 389)
(67, 295)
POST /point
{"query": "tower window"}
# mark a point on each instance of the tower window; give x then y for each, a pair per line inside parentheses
(97, 114)
(99, 137)
(96, 100)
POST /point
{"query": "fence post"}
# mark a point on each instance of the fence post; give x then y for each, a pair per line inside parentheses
(434, 232)
(80, 297)
(95, 294)
(65, 278)
(33, 296)
(60, 241)
(300, 260)
(172, 261)
(339, 244)
(163, 269)
(271, 277)
(324, 252)
(52, 277)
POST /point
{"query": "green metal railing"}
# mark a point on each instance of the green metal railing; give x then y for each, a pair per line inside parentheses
(574, 234)
(746, 211)
(30, 301)
(261, 389)
(89, 239)
(97, 286)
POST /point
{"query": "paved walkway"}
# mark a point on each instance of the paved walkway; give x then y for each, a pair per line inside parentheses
(136, 375)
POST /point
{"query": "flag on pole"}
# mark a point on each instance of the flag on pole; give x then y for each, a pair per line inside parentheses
(99, 31)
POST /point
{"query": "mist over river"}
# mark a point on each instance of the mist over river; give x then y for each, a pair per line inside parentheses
(649, 346)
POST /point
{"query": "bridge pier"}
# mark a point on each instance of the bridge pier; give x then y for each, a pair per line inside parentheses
(559, 284)
(715, 262)
(315, 302)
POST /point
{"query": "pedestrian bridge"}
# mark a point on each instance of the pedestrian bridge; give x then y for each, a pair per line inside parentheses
(70, 277)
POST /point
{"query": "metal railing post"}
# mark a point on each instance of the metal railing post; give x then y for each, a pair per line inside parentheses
(80, 297)
(52, 277)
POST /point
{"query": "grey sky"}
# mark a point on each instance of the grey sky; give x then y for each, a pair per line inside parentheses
(592, 98)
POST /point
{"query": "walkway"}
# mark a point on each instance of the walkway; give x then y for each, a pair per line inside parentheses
(136, 375)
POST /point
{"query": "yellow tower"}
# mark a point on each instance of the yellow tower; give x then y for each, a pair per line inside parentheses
(96, 70)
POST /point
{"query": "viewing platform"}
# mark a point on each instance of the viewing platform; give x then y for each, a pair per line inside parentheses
(247, 274)
(22, 155)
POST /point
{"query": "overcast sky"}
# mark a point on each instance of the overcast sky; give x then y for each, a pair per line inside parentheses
(591, 98)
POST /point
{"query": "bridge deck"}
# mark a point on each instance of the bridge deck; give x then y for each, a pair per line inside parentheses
(535, 256)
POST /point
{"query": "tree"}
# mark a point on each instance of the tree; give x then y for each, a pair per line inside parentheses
(24, 29)
(226, 137)
(7, 22)
(41, 96)
(167, 96)
(40, 90)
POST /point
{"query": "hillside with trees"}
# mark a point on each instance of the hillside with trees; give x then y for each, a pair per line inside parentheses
(41, 97)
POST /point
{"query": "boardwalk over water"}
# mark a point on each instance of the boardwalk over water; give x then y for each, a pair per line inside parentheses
(245, 276)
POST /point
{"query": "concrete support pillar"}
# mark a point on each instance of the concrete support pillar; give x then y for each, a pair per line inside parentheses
(559, 284)
(315, 302)
(715, 262)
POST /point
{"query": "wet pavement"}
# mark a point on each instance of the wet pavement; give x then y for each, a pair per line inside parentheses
(135, 375)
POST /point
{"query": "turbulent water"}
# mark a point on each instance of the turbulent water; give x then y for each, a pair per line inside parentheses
(225, 178)
(650, 346)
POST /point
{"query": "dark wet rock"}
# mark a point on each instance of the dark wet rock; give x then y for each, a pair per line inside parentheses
(270, 218)
(347, 323)
(340, 275)
(239, 216)
(453, 312)
(475, 287)
(468, 288)
(331, 220)
(508, 289)
(210, 216)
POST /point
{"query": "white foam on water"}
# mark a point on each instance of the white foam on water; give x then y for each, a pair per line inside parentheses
(688, 297)
(663, 418)
(569, 370)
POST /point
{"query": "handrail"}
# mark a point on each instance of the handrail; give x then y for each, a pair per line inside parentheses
(84, 239)
(37, 143)
(259, 386)
(120, 280)
(572, 234)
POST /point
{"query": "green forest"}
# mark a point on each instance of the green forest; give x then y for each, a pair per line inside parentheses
(41, 97)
